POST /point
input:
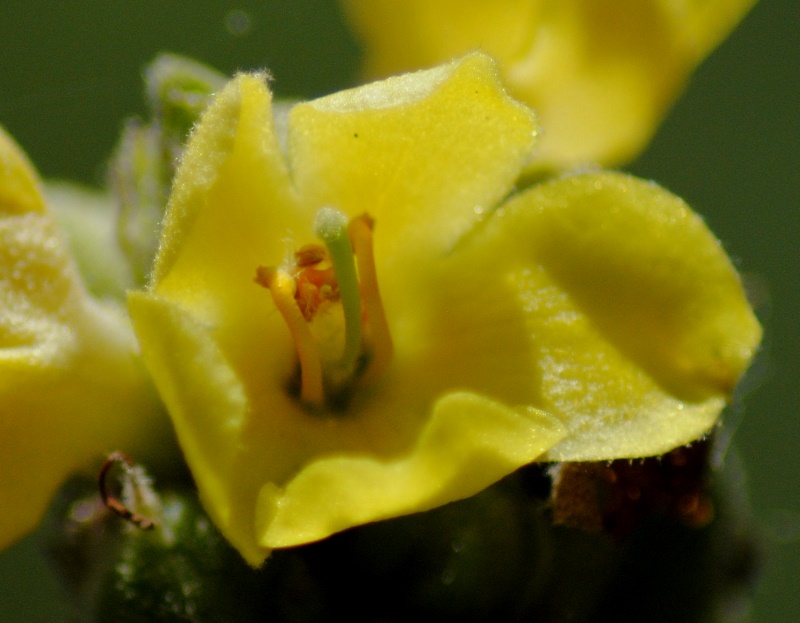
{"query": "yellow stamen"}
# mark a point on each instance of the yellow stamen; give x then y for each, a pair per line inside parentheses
(360, 231)
(282, 287)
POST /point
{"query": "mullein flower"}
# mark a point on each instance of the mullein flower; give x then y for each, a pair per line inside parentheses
(71, 384)
(601, 75)
(372, 321)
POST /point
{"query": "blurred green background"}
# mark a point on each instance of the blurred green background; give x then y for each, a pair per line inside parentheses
(70, 74)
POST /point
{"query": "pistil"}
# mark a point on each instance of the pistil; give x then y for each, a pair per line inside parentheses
(331, 226)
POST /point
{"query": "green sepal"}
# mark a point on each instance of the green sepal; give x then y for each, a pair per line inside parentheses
(178, 89)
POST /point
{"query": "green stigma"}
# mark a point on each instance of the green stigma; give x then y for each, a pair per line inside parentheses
(331, 226)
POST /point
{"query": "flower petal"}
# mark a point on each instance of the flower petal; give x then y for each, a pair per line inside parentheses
(638, 323)
(71, 385)
(402, 37)
(207, 404)
(599, 74)
(231, 192)
(602, 75)
(469, 443)
(424, 154)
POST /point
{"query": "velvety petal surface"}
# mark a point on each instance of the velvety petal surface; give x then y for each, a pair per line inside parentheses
(207, 403)
(71, 385)
(599, 74)
(231, 192)
(424, 154)
(637, 323)
(468, 443)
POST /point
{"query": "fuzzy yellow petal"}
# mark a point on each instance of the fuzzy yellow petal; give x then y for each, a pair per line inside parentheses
(600, 74)
(468, 444)
(452, 130)
(71, 385)
(231, 192)
(207, 404)
(638, 323)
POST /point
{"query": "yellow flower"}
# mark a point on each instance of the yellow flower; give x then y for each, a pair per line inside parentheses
(593, 317)
(601, 75)
(71, 384)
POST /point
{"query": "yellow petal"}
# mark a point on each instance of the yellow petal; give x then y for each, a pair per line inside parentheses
(207, 404)
(638, 324)
(468, 443)
(600, 74)
(413, 34)
(424, 154)
(71, 385)
(232, 191)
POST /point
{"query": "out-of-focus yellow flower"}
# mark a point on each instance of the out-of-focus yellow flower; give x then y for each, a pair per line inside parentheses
(601, 75)
(71, 384)
(593, 317)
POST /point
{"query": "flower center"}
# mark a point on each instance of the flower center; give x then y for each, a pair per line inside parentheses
(328, 287)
